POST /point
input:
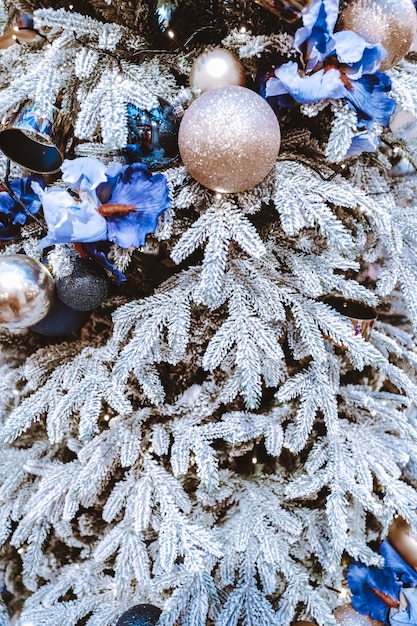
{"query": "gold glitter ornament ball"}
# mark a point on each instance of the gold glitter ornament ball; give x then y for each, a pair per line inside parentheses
(26, 291)
(229, 139)
(404, 540)
(347, 616)
(392, 23)
(216, 68)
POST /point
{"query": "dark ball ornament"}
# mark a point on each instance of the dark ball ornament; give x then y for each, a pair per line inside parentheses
(61, 320)
(140, 615)
(152, 135)
(83, 290)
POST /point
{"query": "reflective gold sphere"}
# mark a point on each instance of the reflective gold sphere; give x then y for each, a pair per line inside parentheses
(392, 23)
(26, 291)
(404, 540)
(229, 139)
(216, 68)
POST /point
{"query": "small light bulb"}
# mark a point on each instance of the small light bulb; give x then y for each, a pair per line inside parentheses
(242, 30)
(16, 29)
(14, 37)
(254, 460)
(106, 417)
(150, 449)
(218, 196)
(171, 34)
(70, 6)
(20, 551)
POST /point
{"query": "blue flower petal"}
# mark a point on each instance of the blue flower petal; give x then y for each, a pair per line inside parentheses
(407, 615)
(319, 20)
(368, 97)
(369, 586)
(363, 141)
(22, 188)
(83, 173)
(360, 56)
(305, 89)
(67, 220)
(148, 194)
(395, 562)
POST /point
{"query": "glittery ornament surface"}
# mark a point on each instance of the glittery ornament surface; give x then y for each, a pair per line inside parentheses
(26, 291)
(392, 23)
(347, 616)
(229, 139)
(83, 290)
(216, 68)
(140, 615)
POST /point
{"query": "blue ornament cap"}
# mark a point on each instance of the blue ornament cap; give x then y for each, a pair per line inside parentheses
(140, 615)
(152, 135)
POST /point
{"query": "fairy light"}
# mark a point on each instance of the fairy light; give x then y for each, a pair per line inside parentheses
(254, 460)
(171, 34)
(218, 196)
(150, 449)
(106, 417)
(243, 30)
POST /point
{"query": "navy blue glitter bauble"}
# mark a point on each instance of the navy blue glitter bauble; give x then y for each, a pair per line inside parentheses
(152, 135)
(61, 320)
(140, 615)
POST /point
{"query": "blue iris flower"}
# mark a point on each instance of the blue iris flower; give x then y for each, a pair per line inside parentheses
(374, 591)
(396, 563)
(12, 213)
(333, 65)
(145, 195)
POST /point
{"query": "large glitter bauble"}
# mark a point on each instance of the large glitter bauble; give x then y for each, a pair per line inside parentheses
(26, 291)
(347, 616)
(392, 23)
(152, 135)
(216, 68)
(229, 139)
(404, 540)
(140, 615)
(288, 10)
(84, 289)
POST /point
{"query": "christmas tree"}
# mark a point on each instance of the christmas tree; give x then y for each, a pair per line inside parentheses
(208, 279)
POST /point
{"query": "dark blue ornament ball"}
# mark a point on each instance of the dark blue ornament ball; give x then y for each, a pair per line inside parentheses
(152, 135)
(61, 320)
(140, 615)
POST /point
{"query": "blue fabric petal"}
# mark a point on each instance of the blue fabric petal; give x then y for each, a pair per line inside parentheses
(67, 220)
(368, 97)
(83, 173)
(360, 56)
(149, 194)
(319, 20)
(22, 188)
(363, 141)
(363, 581)
(395, 562)
(304, 89)
(408, 613)
(97, 252)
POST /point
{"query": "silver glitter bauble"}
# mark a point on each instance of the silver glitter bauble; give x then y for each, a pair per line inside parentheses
(404, 540)
(347, 616)
(26, 291)
(229, 139)
(216, 68)
(392, 23)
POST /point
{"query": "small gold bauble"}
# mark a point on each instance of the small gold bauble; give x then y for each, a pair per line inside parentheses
(26, 291)
(229, 139)
(216, 68)
(392, 23)
(347, 616)
(404, 540)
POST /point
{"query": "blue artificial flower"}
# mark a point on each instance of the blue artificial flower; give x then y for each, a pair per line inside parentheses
(396, 563)
(84, 173)
(68, 220)
(374, 591)
(12, 213)
(333, 65)
(407, 611)
(97, 252)
(132, 203)
(362, 141)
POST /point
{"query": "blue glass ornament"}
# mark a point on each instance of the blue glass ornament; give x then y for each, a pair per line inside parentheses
(61, 320)
(152, 135)
(140, 615)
